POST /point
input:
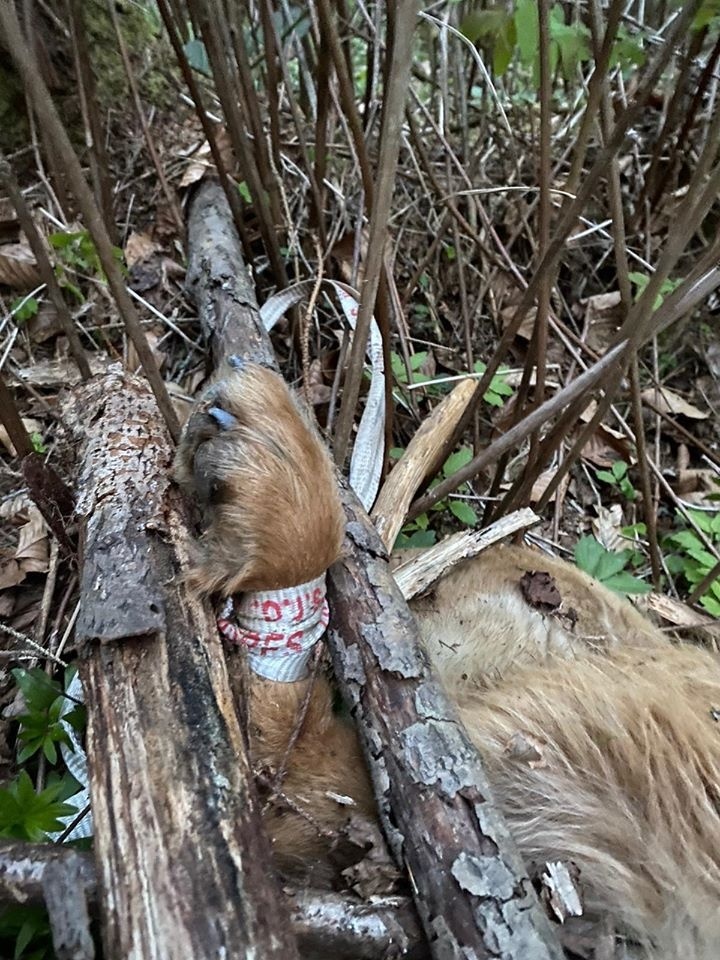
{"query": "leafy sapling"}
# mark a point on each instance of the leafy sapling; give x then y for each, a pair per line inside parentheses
(617, 477)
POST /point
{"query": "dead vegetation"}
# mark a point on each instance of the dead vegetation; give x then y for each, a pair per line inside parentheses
(524, 195)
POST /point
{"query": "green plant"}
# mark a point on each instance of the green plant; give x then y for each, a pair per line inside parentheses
(37, 442)
(608, 566)
(691, 559)
(499, 389)
(418, 532)
(25, 933)
(40, 726)
(617, 477)
(641, 280)
(24, 308)
(507, 32)
(27, 815)
(496, 394)
(76, 250)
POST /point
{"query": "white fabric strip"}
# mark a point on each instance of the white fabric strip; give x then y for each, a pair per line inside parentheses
(278, 627)
(367, 456)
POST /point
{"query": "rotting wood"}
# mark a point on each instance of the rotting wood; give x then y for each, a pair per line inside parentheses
(182, 860)
(327, 925)
(471, 889)
(422, 570)
(62, 878)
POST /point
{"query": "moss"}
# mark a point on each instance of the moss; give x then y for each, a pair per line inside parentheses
(14, 131)
(146, 43)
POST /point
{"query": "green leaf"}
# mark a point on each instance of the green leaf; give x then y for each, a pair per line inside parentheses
(420, 538)
(572, 41)
(197, 56)
(588, 554)
(244, 191)
(24, 308)
(610, 563)
(605, 476)
(37, 442)
(456, 461)
(625, 582)
(26, 815)
(464, 512)
(38, 689)
(527, 28)
(710, 604)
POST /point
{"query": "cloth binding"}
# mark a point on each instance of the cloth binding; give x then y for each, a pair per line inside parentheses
(279, 628)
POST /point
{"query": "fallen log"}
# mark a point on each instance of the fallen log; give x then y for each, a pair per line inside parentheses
(327, 925)
(182, 859)
(62, 879)
(470, 887)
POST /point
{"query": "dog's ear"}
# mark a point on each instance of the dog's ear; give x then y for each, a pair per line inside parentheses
(264, 482)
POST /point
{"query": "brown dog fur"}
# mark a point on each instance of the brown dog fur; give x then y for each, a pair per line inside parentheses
(266, 486)
(599, 736)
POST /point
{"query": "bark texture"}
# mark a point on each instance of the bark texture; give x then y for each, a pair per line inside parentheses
(329, 926)
(471, 889)
(182, 860)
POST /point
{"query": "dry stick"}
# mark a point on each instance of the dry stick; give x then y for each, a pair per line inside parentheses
(12, 421)
(215, 44)
(417, 574)
(567, 222)
(266, 169)
(654, 184)
(623, 275)
(537, 354)
(94, 137)
(640, 325)
(698, 96)
(300, 127)
(228, 184)
(347, 97)
(599, 75)
(170, 197)
(380, 300)
(273, 77)
(578, 388)
(419, 460)
(55, 132)
(434, 799)
(47, 491)
(393, 106)
(640, 321)
(45, 269)
(710, 577)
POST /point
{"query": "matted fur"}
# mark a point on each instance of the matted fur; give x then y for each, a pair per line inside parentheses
(599, 735)
(267, 487)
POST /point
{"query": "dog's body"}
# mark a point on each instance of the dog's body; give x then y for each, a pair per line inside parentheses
(599, 736)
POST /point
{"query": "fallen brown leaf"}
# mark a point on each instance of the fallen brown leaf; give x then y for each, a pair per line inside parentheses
(18, 268)
(607, 527)
(139, 246)
(602, 319)
(32, 550)
(667, 401)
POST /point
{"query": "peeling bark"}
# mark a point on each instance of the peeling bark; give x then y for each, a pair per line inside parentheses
(329, 926)
(182, 860)
(64, 879)
(471, 889)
